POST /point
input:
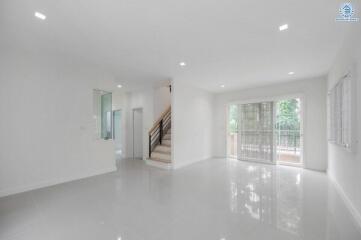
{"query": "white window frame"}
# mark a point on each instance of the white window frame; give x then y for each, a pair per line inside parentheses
(341, 113)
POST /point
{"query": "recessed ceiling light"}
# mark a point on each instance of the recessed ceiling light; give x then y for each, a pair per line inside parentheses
(119, 86)
(40, 15)
(283, 27)
(182, 64)
(291, 73)
(222, 86)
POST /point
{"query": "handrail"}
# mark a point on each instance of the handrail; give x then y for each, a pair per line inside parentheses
(157, 131)
(155, 125)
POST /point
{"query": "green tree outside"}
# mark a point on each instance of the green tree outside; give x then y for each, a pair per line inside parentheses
(288, 115)
(233, 118)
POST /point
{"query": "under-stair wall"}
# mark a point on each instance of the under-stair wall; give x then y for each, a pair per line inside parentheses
(192, 126)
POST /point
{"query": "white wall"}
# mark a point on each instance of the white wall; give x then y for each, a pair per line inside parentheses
(314, 95)
(153, 101)
(345, 167)
(46, 124)
(138, 99)
(162, 100)
(192, 121)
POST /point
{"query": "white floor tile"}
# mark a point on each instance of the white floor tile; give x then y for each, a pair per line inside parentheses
(218, 199)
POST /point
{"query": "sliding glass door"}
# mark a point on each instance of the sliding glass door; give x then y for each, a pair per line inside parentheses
(255, 134)
(269, 131)
(288, 131)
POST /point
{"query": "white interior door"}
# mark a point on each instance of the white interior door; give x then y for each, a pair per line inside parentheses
(137, 133)
(256, 132)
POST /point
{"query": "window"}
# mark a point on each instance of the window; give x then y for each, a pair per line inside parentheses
(102, 111)
(340, 113)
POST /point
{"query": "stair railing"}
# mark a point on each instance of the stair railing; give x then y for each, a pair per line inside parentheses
(161, 126)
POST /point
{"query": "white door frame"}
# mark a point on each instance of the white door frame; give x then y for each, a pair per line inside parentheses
(303, 126)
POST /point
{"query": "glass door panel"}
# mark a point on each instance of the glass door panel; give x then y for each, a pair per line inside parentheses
(288, 131)
(106, 116)
(255, 132)
(232, 131)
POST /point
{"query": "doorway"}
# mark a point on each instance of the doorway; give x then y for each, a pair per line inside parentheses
(118, 134)
(289, 131)
(137, 133)
(266, 131)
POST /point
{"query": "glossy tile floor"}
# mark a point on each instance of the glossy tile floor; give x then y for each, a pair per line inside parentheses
(216, 199)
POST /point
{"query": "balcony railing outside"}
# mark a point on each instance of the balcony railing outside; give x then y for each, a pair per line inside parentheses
(288, 144)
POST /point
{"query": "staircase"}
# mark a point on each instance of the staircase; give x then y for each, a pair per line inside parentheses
(160, 138)
(162, 152)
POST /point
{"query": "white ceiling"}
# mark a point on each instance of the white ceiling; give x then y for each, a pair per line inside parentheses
(231, 42)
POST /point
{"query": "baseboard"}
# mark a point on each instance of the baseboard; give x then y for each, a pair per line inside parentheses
(161, 165)
(349, 205)
(182, 165)
(26, 188)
